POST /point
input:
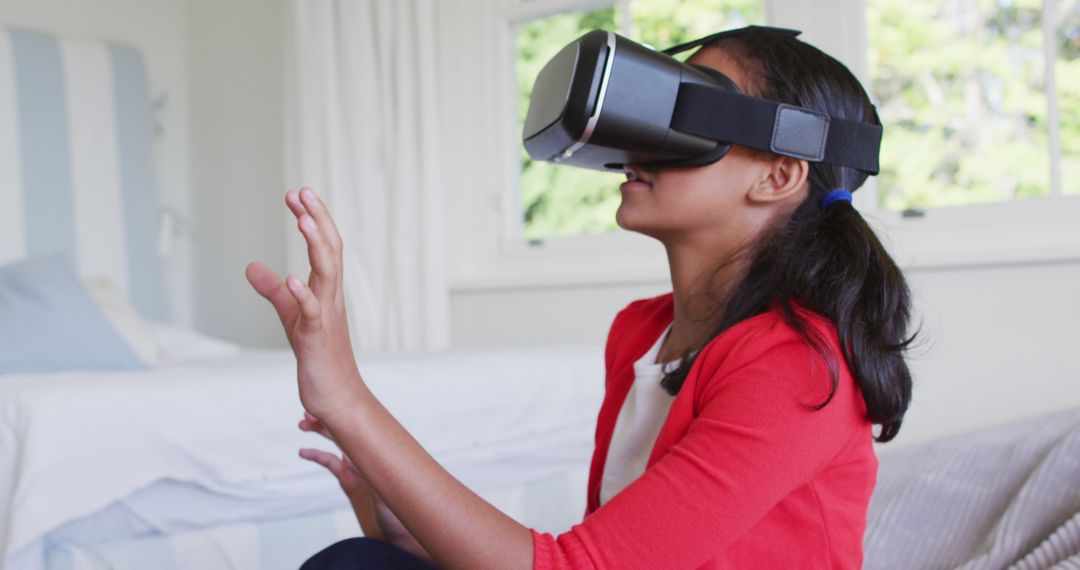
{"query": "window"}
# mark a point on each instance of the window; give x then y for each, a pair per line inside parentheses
(966, 92)
(1066, 18)
(563, 201)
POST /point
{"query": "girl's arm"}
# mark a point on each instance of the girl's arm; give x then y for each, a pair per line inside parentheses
(456, 526)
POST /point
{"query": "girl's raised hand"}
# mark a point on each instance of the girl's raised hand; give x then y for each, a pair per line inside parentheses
(313, 312)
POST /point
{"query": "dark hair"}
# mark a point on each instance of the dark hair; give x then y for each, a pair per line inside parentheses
(825, 258)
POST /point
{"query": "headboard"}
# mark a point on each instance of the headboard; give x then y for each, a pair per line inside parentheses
(76, 161)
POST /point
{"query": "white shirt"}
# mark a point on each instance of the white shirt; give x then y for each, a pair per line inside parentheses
(642, 414)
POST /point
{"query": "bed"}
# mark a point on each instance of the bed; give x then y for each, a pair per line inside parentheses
(195, 461)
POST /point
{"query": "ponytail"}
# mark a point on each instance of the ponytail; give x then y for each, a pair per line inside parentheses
(825, 257)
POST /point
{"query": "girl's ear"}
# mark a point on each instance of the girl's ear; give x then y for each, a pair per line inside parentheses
(785, 177)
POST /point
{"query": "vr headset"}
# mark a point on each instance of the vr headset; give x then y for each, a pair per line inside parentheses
(604, 101)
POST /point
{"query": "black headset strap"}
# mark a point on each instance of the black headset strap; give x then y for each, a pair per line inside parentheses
(732, 117)
(713, 37)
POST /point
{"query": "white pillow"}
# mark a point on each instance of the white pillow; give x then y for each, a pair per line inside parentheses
(122, 316)
(154, 343)
(176, 343)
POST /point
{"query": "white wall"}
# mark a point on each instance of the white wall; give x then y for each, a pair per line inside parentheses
(1001, 343)
(158, 29)
(235, 67)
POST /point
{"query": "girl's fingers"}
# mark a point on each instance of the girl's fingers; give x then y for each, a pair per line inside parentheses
(339, 466)
(269, 285)
(308, 425)
(344, 471)
(305, 299)
(321, 256)
(317, 423)
(315, 206)
(292, 200)
(326, 459)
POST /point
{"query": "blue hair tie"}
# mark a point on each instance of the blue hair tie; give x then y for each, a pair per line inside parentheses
(835, 196)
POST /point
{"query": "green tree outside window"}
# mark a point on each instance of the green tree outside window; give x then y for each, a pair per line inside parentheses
(963, 96)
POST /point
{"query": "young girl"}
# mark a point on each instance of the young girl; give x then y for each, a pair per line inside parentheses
(737, 424)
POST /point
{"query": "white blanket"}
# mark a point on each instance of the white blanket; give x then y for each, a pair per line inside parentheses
(72, 444)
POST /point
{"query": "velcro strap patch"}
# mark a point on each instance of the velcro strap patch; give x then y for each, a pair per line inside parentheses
(800, 133)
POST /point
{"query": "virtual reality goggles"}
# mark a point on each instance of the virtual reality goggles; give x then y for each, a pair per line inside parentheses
(604, 101)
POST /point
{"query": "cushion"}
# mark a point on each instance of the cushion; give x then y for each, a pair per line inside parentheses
(49, 323)
(118, 311)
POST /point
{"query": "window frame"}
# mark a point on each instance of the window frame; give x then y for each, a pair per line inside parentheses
(489, 252)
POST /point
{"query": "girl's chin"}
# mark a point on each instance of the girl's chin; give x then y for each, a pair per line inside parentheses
(626, 220)
(642, 219)
(620, 218)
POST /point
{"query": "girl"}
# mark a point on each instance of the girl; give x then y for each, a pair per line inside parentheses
(737, 426)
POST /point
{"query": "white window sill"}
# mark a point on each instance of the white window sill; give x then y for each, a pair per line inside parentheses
(1037, 230)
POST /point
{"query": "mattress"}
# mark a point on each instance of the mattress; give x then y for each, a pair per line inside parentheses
(550, 504)
(93, 458)
(274, 543)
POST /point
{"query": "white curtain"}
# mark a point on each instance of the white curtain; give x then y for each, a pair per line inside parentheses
(362, 130)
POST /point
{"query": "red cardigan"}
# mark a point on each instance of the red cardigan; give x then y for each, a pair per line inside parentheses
(742, 474)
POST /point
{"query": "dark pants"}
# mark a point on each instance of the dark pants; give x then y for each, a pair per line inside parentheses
(363, 553)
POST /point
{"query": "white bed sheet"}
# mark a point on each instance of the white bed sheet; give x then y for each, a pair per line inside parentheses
(224, 428)
(550, 505)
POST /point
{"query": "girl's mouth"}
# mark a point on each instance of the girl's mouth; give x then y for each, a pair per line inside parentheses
(635, 176)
